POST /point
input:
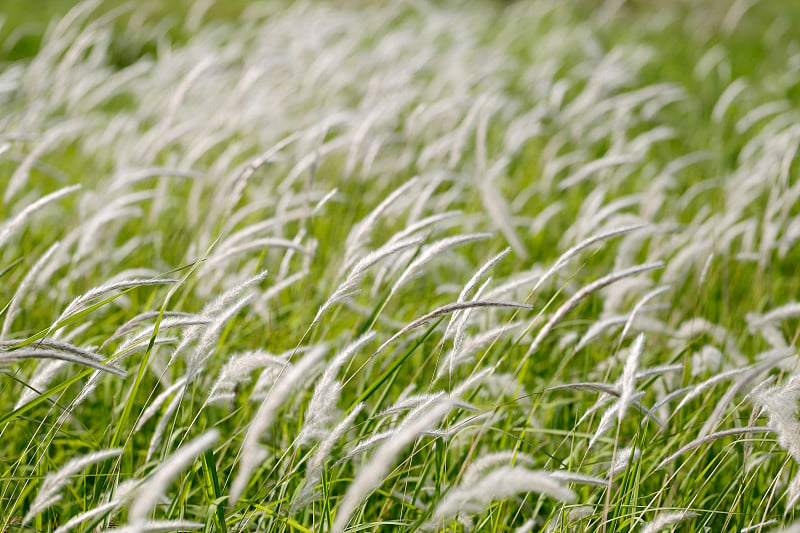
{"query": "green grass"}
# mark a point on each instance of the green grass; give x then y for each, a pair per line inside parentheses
(361, 98)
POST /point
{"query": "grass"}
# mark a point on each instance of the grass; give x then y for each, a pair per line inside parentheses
(491, 266)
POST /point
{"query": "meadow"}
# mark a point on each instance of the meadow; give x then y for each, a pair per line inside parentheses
(399, 266)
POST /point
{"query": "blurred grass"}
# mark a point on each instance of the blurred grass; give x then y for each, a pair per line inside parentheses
(24, 23)
(753, 53)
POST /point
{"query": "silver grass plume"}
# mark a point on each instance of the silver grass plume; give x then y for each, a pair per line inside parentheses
(500, 483)
(433, 220)
(322, 406)
(255, 245)
(97, 511)
(238, 370)
(663, 520)
(251, 454)
(75, 305)
(446, 309)
(761, 525)
(623, 459)
(323, 451)
(166, 416)
(790, 310)
(567, 518)
(32, 353)
(122, 492)
(22, 289)
(12, 226)
(22, 173)
(431, 251)
(157, 402)
(49, 491)
(696, 443)
(480, 466)
(213, 309)
(576, 298)
(349, 286)
(598, 327)
(472, 283)
(47, 370)
(472, 344)
(461, 326)
(576, 478)
(780, 403)
(149, 492)
(157, 526)
(794, 527)
(567, 256)
(372, 473)
(270, 374)
(638, 307)
(143, 317)
(210, 335)
(628, 387)
(358, 236)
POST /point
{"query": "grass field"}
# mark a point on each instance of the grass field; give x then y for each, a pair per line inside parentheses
(399, 266)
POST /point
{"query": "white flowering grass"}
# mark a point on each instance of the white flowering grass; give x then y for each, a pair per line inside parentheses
(401, 266)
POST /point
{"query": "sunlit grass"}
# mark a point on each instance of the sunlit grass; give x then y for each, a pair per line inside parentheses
(325, 267)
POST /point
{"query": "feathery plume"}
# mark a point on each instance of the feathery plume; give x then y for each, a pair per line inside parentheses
(143, 317)
(372, 473)
(790, 310)
(157, 402)
(161, 427)
(210, 336)
(664, 520)
(567, 256)
(623, 459)
(492, 460)
(45, 372)
(596, 165)
(431, 251)
(78, 519)
(251, 452)
(350, 284)
(323, 451)
(23, 288)
(12, 226)
(322, 406)
(445, 309)
(358, 236)
(216, 307)
(237, 371)
(498, 209)
(638, 307)
(157, 526)
(31, 353)
(629, 376)
(576, 478)
(473, 281)
(254, 245)
(696, 443)
(471, 345)
(597, 328)
(75, 305)
(498, 484)
(149, 492)
(49, 491)
(576, 298)
(780, 403)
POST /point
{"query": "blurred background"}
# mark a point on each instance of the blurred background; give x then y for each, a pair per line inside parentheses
(25, 21)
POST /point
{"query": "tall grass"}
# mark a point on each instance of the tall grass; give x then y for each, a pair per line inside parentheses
(402, 266)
